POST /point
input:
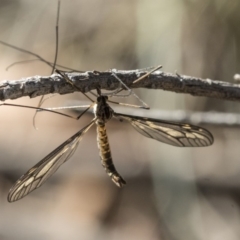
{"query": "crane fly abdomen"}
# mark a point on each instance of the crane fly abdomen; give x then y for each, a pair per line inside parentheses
(105, 155)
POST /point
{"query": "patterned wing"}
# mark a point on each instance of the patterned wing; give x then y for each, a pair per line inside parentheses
(37, 175)
(176, 134)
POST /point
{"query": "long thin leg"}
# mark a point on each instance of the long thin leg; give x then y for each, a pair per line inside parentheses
(56, 47)
(36, 108)
(137, 80)
(25, 51)
(49, 110)
(71, 71)
(129, 105)
(71, 83)
(147, 74)
(63, 108)
(94, 94)
(115, 92)
(48, 97)
(54, 63)
(89, 106)
(130, 91)
(82, 113)
(146, 69)
(144, 105)
(33, 60)
(119, 89)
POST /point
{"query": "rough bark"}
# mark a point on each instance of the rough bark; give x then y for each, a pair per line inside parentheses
(86, 81)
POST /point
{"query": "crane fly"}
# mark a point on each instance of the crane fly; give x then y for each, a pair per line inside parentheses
(175, 134)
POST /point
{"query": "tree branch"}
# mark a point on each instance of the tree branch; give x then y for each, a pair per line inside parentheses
(86, 81)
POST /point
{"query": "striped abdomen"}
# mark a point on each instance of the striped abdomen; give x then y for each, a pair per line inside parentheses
(105, 155)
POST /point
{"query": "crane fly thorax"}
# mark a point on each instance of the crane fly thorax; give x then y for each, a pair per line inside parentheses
(102, 110)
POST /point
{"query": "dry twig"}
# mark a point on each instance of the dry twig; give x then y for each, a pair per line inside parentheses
(37, 85)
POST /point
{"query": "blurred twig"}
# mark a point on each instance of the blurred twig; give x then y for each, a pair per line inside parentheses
(217, 119)
(89, 80)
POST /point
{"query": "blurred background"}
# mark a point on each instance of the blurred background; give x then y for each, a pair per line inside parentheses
(171, 193)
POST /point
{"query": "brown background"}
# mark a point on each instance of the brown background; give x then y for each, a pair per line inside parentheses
(172, 193)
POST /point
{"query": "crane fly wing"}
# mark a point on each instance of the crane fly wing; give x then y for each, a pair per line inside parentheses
(176, 134)
(37, 175)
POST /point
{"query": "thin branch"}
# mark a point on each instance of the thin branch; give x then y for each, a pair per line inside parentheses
(216, 119)
(90, 80)
(211, 118)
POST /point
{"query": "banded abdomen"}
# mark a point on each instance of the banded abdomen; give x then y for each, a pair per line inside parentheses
(105, 155)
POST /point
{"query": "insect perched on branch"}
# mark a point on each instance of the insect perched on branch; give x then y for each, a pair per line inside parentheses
(180, 135)
(176, 134)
